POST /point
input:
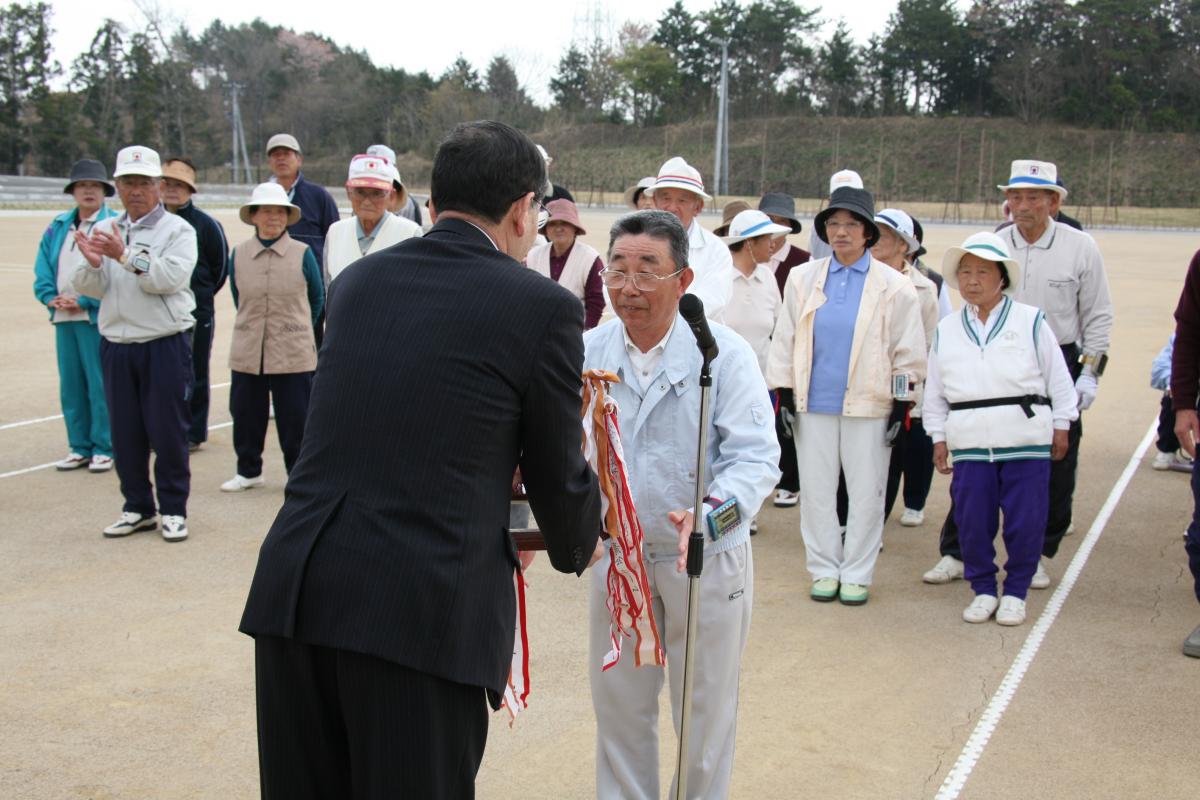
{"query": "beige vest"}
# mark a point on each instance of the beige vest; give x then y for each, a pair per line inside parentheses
(575, 273)
(273, 332)
(342, 240)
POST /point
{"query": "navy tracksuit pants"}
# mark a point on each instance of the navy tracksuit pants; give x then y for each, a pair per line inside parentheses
(148, 388)
(250, 397)
(202, 339)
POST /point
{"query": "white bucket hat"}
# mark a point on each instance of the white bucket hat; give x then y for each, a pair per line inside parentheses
(901, 223)
(371, 172)
(750, 225)
(846, 177)
(679, 174)
(138, 160)
(269, 194)
(1033, 175)
(988, 246)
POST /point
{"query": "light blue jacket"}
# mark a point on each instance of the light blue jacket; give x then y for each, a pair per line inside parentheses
(45, 268)
(660, 429)
(1160, 368)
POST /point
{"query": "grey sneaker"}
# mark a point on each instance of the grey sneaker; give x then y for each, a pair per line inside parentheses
(1191, 645)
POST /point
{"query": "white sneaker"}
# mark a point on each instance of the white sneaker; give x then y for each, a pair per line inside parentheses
(1163, 461)
(239, 484)
(1070, 529)
(174, 528)
(100, 464)
(1012, 611)
(946, 570)
(786, 499)
(1041, 578)
(911, 517)
(981, 609)
(130, 522)
(72, 461)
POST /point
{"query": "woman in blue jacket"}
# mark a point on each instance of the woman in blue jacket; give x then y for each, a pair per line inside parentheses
(81, 381)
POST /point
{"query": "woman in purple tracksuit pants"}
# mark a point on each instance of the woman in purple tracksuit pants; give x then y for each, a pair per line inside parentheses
(999, 401)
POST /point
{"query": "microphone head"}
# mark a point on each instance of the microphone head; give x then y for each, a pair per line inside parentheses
(692, 308)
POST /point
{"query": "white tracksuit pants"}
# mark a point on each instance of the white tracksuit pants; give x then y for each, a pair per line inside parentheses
(625, 697)
(826, 443)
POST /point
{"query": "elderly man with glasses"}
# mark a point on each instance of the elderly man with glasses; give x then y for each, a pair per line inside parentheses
(653, 351)
(372, 228)
(139, 266)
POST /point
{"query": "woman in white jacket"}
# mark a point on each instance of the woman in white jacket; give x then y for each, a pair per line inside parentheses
(849, 344)
(999, 401)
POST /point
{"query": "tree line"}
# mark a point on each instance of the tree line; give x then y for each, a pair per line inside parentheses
(1115, 64)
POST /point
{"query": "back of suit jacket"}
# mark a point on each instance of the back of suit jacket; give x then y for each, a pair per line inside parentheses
(444, 363)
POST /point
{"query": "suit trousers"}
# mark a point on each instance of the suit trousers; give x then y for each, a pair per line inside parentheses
(202, 340)
(337, 724)
(147, 385)
(625, 697)
(249, 404)
(81, 388)
(827, 443)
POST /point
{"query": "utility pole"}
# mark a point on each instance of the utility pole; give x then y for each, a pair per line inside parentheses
(239, 135)
(721, 149)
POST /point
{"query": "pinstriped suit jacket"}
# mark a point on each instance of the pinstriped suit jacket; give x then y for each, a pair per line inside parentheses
(445, 364)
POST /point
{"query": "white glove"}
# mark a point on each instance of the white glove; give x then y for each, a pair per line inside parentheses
(1086, 388)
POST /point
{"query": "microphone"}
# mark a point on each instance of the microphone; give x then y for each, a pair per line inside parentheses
(692, 309)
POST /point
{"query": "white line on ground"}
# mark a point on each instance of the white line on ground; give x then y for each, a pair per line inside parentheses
(973, 750)
(25, 422)
(27, 470)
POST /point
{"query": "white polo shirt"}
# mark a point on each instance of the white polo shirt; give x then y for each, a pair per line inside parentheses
(1062, 273)
(753, 308)
(712, 263)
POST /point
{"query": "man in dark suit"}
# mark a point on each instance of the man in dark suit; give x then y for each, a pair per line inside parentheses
(383, 605)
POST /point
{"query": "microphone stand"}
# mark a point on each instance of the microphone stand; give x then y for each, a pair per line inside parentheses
(695, 564)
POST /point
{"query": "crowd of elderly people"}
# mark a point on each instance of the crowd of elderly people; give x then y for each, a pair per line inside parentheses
(874, 380)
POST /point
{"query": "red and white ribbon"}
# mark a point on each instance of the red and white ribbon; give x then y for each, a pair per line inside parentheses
(628, 584)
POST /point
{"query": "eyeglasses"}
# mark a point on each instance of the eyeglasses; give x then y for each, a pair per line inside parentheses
(543, 215)
(642, 281)
(363, 193)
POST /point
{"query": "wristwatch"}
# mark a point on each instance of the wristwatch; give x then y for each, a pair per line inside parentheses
(1096, 362)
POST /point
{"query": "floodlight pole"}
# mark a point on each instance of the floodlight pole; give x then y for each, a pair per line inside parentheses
(721, 150)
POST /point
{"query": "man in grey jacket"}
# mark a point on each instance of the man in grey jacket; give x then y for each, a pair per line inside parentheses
(139, 266)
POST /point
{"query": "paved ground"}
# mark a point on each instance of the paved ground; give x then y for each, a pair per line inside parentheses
(124, 675)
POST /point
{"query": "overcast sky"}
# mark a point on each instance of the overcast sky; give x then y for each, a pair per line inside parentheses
(422, 36)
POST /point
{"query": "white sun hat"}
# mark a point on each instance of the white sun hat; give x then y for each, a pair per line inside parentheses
(1026, 174)
(370, 172)
(901, 223)
(138, 160)
(846, 177)
(679, 174)
(987, 246)
(269, 194)
(751, 224)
